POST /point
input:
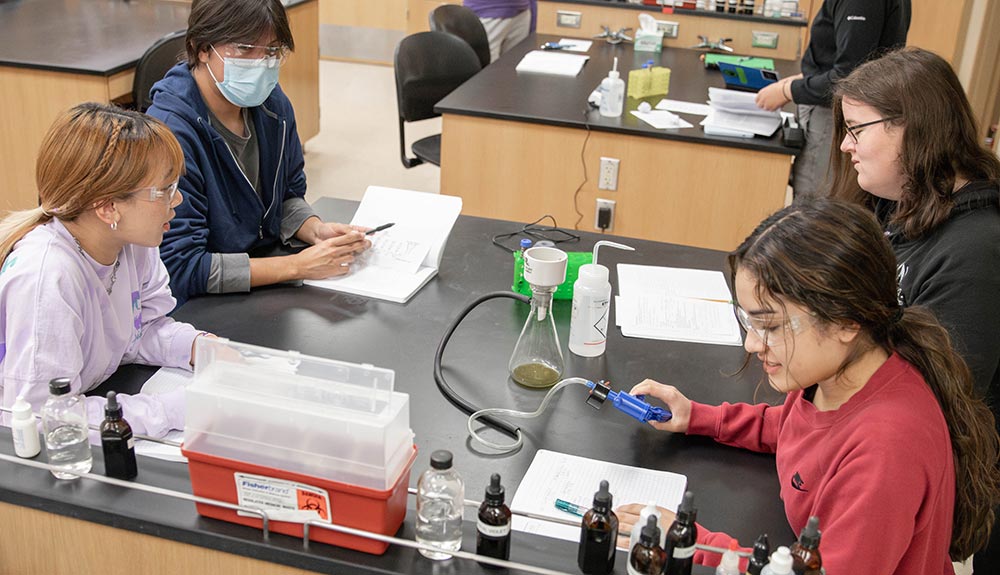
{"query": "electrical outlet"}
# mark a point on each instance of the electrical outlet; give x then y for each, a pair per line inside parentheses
(668, 28)
(608, 205)
(608, 177)
(568, 19)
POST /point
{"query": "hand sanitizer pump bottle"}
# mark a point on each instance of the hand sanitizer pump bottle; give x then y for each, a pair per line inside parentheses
(537, 360)
(588, 327)
(613, 93)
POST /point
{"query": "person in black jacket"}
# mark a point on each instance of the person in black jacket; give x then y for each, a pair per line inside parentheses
(910, 151)
(844, 34)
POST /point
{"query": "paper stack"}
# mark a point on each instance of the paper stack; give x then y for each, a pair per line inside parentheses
(553, 63)
(675, 304)
(734, 113)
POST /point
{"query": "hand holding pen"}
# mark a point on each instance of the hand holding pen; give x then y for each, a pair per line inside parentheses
(380, 228)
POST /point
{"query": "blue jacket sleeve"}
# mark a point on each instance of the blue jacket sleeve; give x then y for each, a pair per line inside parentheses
(185, 246)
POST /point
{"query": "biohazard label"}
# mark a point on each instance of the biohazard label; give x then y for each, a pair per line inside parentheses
(282, 500)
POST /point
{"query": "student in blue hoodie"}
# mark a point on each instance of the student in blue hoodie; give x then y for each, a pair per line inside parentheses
(244, 181)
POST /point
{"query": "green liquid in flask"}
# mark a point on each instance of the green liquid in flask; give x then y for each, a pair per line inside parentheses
(535, 375)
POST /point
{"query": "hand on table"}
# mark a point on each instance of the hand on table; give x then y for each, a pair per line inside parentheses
(678, 405)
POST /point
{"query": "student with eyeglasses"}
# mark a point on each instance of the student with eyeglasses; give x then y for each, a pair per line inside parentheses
(909, 150)
(844, 34)
(245, 217)
(880, 434)
(82, 286)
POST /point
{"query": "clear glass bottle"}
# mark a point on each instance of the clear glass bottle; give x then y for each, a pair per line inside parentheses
(537, 360)
(440, 497)
(64, 424)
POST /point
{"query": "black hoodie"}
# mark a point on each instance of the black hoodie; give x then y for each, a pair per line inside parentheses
(955, 271)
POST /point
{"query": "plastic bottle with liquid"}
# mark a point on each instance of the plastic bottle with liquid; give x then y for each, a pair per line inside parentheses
(440, 497)
(806, 559)
(780, 563)
(64, 424)
(646, 556)
(24, 427)
(117, 442)
(730, 564)
(493, 525)
(598, 535)
(681, 538)
(613, 93)
(761, 550)
(588, 326)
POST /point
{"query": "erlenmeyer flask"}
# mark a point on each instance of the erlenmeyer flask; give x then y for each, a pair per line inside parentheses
(537, 360)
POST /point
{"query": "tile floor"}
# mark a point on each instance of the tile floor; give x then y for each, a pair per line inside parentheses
(358, 141)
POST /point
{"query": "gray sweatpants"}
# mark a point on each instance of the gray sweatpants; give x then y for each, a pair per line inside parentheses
(810, 173)
(504, 33)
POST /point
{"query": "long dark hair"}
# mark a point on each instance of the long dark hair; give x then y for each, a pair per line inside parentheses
(940, 139)
(216, 22)
(832, 258)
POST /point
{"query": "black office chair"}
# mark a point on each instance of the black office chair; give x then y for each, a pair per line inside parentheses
(464, 23)
(153, 65)
(429, 65)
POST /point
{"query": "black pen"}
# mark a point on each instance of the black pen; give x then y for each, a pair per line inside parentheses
(380, 228)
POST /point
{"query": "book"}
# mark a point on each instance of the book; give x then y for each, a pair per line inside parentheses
(553, 475)
(406, 256)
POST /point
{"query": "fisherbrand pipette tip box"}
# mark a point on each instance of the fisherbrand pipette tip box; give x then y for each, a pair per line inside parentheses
(299, 437)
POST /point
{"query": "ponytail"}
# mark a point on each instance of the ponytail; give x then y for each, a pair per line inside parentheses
(919, 339)
(17, 225)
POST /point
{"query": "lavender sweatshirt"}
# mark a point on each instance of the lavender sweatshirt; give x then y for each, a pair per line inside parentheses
(57, 320)
(499, 8)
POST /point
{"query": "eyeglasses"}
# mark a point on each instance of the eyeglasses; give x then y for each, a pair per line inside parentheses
(154, 194)
(271, 55)
(855, 131)
(769, 329)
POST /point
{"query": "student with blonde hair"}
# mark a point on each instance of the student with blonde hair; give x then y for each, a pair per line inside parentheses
(82, 287)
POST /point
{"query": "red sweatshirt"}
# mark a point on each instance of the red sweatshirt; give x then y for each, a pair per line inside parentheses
(878, 471)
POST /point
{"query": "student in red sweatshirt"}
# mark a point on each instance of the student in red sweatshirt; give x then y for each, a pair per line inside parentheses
(881, 435)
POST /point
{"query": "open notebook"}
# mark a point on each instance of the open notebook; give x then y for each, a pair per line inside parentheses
(404, 257)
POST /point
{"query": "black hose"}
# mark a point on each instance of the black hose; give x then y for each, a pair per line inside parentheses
(446, 390)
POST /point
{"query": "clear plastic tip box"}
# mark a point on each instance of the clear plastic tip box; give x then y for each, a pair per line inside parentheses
(332, 438)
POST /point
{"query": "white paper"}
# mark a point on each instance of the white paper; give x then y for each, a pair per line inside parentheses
(423, 222)
(576, 45)
(575, 479)
(164, 380)
(675, 304)
(737, 102)
(662, 120)
(552, 62)
(683, 107)
(747, 123)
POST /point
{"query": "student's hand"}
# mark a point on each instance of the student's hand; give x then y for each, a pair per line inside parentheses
(330, 257)
(195, 341)
(327, 230)
(774, 96)
(679, 405)
(629, 514)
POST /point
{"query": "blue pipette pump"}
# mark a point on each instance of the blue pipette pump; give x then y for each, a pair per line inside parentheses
(631, 405)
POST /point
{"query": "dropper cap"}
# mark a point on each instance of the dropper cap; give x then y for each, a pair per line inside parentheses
(781, 561)
(650, 533)
(21, 409)
(730, 560)
(494, 491)
(761, 551)
(112, 409)
(603, 499)
(810, 536)
(686, 513)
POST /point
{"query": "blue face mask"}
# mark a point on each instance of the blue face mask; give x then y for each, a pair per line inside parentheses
(247, 83)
